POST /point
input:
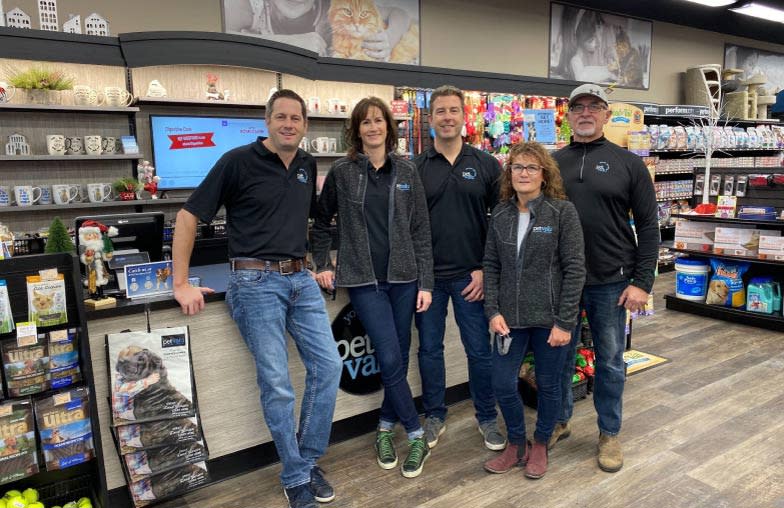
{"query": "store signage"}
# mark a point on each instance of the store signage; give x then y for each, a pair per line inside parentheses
(148, 279)
(673, 110)
(361, 372)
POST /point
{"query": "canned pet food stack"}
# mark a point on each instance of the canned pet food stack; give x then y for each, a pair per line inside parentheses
(691, 279)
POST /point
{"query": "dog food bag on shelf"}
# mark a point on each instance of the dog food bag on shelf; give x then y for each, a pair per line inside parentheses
(63, 358)
(65, 429)
(141, 436)
(25, 366)
(726, 285)
(46, 300)
(151, 376)
(6, 318)
(157, 460)
(170, 483)
(18, 451)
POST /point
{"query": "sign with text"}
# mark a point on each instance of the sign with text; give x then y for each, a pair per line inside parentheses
(148, 279)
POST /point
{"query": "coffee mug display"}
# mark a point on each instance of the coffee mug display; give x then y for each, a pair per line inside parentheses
(6, 92)
(64, 193)
(305, 143)
(334, 106)
(74, 145)
(55, 144)
(83, 95)
(332, 145)
(46, 195)
(98, 192)
(117, 97)
(313, 104)
(92, 145)
(5, 195)
(109, 145)
(26, 195)
(320, 145)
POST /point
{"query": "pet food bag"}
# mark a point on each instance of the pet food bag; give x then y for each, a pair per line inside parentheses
(46, 300)
(170, 483)
(141, 436)
(25, 366)
(63, 358)
(726, 285)
(18, 451)
(6, 318)
(157, 460)
(65, 429)
(151, 375)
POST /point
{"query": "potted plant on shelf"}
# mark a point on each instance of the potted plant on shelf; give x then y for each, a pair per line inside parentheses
(126, 188)
(42, 84)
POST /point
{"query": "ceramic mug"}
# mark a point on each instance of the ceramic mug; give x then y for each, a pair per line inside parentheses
(74, 145)
(46, 195)
(332, 145)
(117, 97)
(25, 194)
(6, 198)
(55, 144)
(83, 95)
(313, 104)
(305, 143)
(6, 92)
(109, 145)
(98, 192)
(320, 145)
(334, 106)
(402, 146)
(65, 193)
(93, 144)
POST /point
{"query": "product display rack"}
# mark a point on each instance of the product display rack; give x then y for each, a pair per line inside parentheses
(758, 267)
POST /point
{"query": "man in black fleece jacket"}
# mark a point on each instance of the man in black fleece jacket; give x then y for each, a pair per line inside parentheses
(606, 183)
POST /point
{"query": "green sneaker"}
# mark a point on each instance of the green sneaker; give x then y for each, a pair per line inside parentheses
(385, 449)
(417, 455)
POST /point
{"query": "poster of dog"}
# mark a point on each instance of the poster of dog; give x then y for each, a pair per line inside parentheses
(170, 483)
(151, 376)
(141, 436)
(157, 460)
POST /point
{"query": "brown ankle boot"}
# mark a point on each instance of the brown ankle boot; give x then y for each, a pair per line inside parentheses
(537, 461)
(561, 431)
(513, 456)
(610, 456)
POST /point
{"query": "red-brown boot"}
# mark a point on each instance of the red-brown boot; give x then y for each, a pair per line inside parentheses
(513, 456)
(537, 461)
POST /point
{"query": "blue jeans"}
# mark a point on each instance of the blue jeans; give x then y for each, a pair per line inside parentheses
(386, 311)
(607, 320)
(265, 305)
(548, 366)
(471, 320)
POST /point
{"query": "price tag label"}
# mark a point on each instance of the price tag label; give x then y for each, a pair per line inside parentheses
(61, 398)
(26, 334)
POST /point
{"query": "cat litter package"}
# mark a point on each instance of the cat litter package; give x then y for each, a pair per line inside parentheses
(65, 429)
(170, 483)
(18, 451)
(140, 436)
(726, 284)
(151, 376)
(157, 460)
(46, 300)
(63, 358)
(25, 366)
(6, 318)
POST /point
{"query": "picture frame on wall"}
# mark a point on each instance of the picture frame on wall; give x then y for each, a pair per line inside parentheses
(755, 61)
(597, 47)
(390, 28)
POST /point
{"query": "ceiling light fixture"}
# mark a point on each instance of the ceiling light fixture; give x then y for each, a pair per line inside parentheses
(713, 3)
(759, 10)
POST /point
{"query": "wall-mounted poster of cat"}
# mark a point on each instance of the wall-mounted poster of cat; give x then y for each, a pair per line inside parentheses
(46, 300)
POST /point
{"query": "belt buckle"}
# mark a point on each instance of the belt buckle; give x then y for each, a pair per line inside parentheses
(286, 267)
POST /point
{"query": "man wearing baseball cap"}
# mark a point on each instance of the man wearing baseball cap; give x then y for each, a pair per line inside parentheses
(610, 186)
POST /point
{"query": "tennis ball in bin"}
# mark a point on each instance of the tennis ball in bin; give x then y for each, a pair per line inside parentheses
(12, 493)
(30, 495)
(84, 502)
(16, 502)
(70, 504)
(2, 503)
(35, 504)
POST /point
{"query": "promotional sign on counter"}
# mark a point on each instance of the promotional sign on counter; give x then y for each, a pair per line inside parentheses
(148, 279)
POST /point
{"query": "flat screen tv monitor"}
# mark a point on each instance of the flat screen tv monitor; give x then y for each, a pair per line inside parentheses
(185, 148)
(136, 231)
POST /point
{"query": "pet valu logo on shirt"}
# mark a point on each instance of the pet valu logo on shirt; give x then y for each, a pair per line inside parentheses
(469, 174)
(603, 167)
(403, 187)
(542, 229)
(302, 175)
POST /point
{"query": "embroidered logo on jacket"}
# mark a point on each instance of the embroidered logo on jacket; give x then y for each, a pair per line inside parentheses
(403, 187)
(302, 175)
(603, 167)
(542, 229)
(469, 174)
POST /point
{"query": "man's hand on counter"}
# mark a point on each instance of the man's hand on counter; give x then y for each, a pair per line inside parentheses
(191, 299)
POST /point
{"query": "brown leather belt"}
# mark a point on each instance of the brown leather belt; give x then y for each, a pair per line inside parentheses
(284, 267)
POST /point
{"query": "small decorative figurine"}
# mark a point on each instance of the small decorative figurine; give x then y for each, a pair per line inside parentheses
(96, 249)
(212, 89)
(17, 145)
(156, 89)
(148, 179)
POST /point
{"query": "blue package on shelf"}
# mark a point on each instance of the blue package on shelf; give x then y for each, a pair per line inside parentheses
(757, 212)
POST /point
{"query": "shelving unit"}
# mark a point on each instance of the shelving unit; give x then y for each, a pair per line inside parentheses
(119, 156)
(83, 205)
(55, 107)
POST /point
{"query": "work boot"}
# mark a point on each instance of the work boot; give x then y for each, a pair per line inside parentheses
(610, 454)
(537, 461)
(513, 456)
(561, 431)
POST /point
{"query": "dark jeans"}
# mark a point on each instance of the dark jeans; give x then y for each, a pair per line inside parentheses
(548, 366)
(471, 320)
(386, 311)
(607, 320)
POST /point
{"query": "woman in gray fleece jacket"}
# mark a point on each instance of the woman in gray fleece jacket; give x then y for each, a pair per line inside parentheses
(534, 274)
(385, 260)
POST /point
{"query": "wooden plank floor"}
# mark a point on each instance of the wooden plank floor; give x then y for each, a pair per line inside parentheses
(705, 430)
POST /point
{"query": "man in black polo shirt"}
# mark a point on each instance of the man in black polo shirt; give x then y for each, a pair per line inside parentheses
(461, 184)
(267, 188)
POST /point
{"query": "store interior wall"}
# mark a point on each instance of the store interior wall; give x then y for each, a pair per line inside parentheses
(504, 36)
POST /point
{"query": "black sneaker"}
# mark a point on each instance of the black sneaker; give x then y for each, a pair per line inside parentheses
(386, 456)
(300, 496)
(320, 487)
(417, 455)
